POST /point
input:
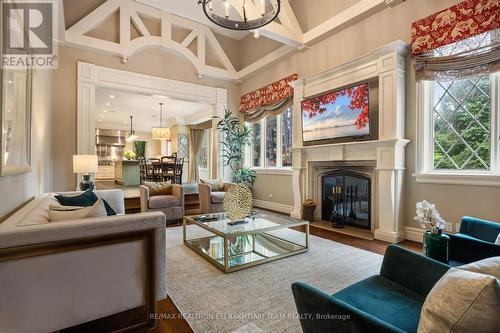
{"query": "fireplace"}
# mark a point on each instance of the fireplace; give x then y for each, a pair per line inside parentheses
(346, 199)
(379, 163)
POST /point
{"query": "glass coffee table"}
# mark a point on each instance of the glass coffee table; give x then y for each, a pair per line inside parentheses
(264, 238)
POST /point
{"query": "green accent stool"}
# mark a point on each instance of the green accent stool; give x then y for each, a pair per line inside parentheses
(436, 246)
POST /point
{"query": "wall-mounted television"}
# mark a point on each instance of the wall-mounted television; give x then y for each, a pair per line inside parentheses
(347, 114)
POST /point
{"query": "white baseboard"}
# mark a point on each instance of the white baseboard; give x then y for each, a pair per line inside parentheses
(414, 234)
(277, 207)
(389, 237)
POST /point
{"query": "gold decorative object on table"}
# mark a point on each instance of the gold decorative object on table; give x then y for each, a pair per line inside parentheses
(238, 202)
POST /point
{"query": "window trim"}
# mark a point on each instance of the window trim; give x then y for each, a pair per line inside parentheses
(425, 138)
(262, 168)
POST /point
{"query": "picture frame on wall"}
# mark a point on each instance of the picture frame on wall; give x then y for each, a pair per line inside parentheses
(15, 117)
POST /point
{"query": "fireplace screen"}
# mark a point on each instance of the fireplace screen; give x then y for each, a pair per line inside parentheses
(347, 199)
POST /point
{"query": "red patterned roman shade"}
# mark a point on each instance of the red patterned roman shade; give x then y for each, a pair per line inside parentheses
(268, 98)
(464, 20)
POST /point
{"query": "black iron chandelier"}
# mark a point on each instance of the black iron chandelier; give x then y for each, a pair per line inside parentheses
(253, 15)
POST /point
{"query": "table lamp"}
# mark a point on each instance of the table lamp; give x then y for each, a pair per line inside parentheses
(85, 164)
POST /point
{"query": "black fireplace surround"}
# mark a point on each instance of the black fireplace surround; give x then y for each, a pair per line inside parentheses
(346, 199)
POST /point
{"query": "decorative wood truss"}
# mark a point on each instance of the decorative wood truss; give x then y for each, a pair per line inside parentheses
(200, 40)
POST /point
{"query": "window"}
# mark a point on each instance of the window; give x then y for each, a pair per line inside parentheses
(459, 126)
(272, 142)
(255, 144)
(462, 124)
(286, 138)
(183, 145)
(203, 157)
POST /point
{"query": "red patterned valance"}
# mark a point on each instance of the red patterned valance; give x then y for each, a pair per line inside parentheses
(270, 94)
(464, 20)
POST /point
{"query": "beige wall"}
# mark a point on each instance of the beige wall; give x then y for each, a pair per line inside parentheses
(14, 190)
(274, 188)
(150, 61)
(384, 27)
(311, 16)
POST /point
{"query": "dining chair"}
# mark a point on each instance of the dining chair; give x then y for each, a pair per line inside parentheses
(168, 168)
(142, 168)
(155, 169)
(179, 166)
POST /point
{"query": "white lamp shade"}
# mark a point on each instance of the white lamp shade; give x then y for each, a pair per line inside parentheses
(161, 133)
(84, 163)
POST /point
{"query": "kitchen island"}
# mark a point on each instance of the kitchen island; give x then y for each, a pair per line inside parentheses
(127, 173)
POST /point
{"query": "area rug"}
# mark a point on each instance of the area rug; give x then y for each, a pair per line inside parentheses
(259, 298)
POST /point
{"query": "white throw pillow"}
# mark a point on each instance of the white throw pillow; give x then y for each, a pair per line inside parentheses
(498, 239)
(465, 299)
(96, 210)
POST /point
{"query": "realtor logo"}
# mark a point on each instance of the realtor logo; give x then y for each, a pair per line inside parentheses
(28, 34)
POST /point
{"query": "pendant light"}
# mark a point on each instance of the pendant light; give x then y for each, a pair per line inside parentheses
(132, 136)
(161, 133)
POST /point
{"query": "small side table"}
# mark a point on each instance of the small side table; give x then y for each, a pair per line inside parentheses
(436, 246)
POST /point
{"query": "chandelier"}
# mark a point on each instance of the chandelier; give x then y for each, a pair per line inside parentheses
(253, 14)
(131, 135)
(161, 133)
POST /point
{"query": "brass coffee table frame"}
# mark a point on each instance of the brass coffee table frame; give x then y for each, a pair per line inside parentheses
(225, 236)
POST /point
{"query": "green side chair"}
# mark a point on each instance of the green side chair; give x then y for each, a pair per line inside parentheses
(474, 241)
(388, 302)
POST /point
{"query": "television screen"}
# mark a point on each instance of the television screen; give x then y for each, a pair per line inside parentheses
(339, 114)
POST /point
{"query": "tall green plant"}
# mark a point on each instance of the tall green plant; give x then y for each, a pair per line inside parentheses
(235, 138)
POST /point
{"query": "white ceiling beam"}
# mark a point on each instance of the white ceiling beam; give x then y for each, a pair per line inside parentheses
(351, 15)
(282, 33)
(288, 32)
(189, 39)
(287, 17)
(129, 15)
(139, 25)
(125, 25)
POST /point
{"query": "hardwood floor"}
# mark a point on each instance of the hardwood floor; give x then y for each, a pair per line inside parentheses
(171, 321)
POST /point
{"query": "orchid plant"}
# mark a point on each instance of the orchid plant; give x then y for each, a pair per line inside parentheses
(427, 215)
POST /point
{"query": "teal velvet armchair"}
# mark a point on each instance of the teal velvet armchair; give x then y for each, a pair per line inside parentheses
(475, 241)
(388, 302)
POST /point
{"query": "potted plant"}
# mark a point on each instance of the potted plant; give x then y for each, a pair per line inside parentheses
(129, 155)
(435, 243)
(238, 201)
(235, 138)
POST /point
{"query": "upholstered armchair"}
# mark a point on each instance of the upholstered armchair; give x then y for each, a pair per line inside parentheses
(212, 201)
(475, 241)
(388, 302)
(171, 205)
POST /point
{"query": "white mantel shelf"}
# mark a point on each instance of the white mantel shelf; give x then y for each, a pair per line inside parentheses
(367, 143)
(387, 153)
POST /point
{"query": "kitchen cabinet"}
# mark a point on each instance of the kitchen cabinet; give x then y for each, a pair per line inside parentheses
(127, 173)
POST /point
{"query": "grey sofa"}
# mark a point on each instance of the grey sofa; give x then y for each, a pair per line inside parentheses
(212, 201)
(170, 205)
(55, 275)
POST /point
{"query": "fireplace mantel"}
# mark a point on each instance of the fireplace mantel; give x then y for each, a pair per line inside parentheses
(387, 154)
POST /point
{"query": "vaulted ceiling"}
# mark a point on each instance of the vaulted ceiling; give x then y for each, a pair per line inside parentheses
(124, 27)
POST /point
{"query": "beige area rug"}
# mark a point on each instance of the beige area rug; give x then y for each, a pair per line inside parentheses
(259, 298)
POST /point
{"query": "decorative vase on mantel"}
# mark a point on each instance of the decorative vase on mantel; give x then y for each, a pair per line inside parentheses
(436, 245)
